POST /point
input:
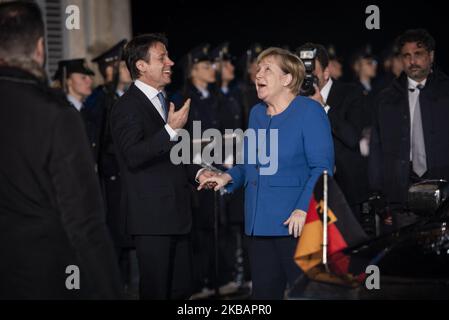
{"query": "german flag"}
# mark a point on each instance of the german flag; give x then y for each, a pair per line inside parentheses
(343, 231)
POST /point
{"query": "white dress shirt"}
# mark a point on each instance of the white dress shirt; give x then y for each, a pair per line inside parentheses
(367, 85)
(204, 93)
(413, 96)
(75, 102)
(325, 93)
(151, 93)
(120, 92)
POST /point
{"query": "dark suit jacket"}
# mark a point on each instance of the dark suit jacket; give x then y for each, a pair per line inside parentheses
(156, 190)
(347, 121)
(390, 142)
(51, 212)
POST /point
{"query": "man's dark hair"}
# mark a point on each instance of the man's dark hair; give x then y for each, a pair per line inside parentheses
(137, 49)
(21, 26)
(321, 53)
(420, 36)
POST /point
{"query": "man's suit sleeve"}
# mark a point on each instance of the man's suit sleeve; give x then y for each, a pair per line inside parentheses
(128, 133)
(319, 150)
(79, 201)
(347, 120)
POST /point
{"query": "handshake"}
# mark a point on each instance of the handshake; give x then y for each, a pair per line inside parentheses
(209, 179)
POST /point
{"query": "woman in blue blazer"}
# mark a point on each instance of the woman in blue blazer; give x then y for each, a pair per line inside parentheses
(277, 195)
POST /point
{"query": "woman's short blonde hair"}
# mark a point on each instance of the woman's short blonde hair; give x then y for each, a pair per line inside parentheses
(289, 63)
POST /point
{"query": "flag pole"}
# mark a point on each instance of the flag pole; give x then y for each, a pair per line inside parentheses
(325, 215)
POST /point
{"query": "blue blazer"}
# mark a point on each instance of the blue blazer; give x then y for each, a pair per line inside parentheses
(305, 150)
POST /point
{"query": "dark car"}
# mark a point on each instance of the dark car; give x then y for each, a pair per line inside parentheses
(413, 262)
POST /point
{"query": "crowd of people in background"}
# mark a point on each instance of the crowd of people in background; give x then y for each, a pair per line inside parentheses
(388, 126)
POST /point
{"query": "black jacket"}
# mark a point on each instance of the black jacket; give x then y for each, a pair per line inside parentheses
(155, 189)
(51, 213)
(389, 161)
(231, 111)
(347, 121)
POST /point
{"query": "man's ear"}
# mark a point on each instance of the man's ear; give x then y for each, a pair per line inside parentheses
(141, 66)
(39, 52)
(432, 56)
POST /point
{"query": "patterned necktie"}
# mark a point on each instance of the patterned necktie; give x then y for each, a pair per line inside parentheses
(419, 161)
(161, 98)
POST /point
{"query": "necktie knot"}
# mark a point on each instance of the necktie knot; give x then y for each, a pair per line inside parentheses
(419, 86)
(161, 98)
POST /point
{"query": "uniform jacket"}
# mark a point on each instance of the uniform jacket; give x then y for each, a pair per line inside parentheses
(346, 116)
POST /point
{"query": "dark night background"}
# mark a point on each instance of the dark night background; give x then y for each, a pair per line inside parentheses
(280, 23)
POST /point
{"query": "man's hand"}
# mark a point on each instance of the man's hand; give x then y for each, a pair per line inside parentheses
(178, 119)
(218, 181)
(296, 222)
(317, 96)
(206, 174)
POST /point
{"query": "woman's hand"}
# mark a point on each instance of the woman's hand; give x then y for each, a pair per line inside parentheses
(296, 222)
(218, 182)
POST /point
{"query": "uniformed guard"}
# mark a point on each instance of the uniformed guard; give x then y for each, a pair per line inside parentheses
(364, 65)
(335, 63)
(231, 226)
(392, 66)
(247, 84)
(75, 79)
(116, 81)
(228, 91)
(199, 77)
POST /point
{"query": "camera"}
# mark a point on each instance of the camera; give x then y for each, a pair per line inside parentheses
(308, 58)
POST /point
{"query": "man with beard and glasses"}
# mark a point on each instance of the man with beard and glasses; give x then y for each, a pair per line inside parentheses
(410, 137)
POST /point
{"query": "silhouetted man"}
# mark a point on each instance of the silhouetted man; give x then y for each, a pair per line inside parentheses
(51, 214)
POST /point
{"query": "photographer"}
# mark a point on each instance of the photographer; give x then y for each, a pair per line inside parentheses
(344, 106)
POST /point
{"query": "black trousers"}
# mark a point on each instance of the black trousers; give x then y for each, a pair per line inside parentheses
(272, 266)
(165, 266)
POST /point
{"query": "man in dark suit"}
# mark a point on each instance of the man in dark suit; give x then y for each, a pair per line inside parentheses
(410, 138)
(51, 214)
(344, 105)
(156, 190)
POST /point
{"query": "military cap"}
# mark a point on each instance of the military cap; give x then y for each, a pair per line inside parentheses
(112, 54)
(253, 52)
(194, 56)
(221, 52)
(365, 52)
(67, 67)
(198, 54)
